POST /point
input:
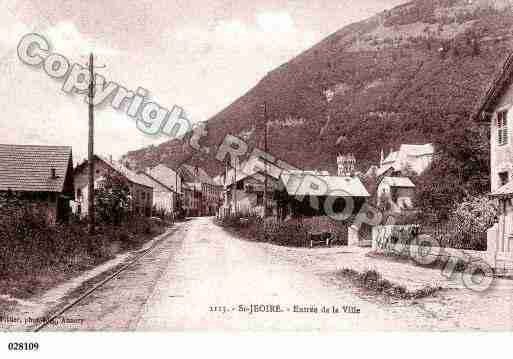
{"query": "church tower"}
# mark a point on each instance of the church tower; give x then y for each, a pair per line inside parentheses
(346, 165)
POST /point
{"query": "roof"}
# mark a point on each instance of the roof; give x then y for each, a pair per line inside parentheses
(337, 186)
(120, 169)
(417, 150)
(396, 159)
(129, 174)
(196, 174)
(384, 169)
(495, 89)
(149, 181)
(392, 157)
(251, 167)
(28, 168)
(165, 175)
(504, 191)
(398, 181)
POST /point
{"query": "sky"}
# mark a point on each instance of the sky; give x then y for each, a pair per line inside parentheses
(199, 55)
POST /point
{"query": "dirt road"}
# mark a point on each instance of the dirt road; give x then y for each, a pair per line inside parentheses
(203, 278)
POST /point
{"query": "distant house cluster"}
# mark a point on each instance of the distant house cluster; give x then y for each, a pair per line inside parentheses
(202, 195)
(395, 188)
(43, 178)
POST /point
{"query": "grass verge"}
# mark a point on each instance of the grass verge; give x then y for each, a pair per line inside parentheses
(372, 281)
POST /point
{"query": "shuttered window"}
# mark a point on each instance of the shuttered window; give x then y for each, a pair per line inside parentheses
(502, 128)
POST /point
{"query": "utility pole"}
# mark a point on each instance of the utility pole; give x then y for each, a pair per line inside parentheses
(266, 151)
(235, 184)
(90, 204)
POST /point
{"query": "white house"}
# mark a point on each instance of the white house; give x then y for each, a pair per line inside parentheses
(496, 109)
(414, 157)
(245, 187)
(140, 192)
(396, 193)
(166, 185)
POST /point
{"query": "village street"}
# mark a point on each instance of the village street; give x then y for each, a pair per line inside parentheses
(198, 278)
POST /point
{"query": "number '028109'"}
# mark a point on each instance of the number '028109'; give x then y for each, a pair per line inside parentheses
(23, 346)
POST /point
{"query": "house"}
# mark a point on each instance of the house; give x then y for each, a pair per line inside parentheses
(416, 158)
(41, 176)
(192, 199)
(141, 193)
(207, 194)
(396, 193)
(245, 187)
(322, 203)
(166, 185)
(316, 194)
(496, 110)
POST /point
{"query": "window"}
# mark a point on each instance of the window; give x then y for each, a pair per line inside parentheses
(260, 198)
(503, 178)
(502, 128)
(240, 185)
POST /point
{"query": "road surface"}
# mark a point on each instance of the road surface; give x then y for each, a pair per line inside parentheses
(203, 278)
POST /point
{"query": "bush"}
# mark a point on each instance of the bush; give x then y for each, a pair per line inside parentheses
(476, 214)
(467, 224)
(31, 248)
(112, 200)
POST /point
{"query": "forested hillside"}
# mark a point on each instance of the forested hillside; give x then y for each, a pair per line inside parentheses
(412, 74)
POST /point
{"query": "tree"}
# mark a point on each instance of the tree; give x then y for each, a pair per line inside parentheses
(459, 170)
(112, 199)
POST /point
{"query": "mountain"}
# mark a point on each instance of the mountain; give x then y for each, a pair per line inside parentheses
(412, 74)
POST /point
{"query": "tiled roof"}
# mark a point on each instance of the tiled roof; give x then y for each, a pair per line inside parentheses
(147, 180)
(337, 186)
(28, 168)
(123, 170)
(495, 90)
(251, 167)
(164, 175)
(398, 181)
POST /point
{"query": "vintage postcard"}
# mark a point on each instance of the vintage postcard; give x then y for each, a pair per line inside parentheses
(256, 166)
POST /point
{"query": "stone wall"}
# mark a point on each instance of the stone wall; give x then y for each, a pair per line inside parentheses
(420, 245)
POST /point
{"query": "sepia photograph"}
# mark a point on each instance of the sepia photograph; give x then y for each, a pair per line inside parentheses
(273, 166)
